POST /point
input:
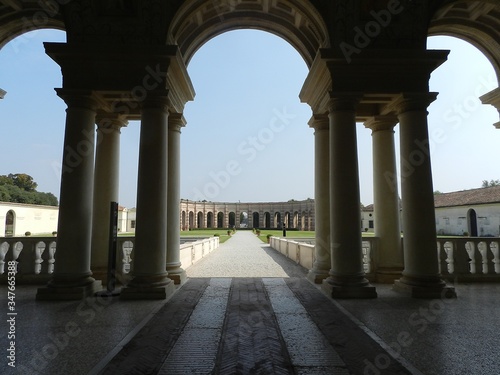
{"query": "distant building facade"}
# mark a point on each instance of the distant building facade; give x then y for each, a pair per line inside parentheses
(473, 212)
(16, 219)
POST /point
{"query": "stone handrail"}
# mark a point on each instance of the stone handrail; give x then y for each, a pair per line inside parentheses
(460, 259)
(36, 256)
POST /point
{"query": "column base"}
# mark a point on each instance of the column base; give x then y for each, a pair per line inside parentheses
(317, 276)
(71, 293)
(355, 291)
(388, 275)
(430, 290)
(139, 293)
(178, 276)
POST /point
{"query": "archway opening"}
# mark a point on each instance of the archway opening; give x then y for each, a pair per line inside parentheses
(10, 224)
(472, 222)
(220, 220)
(255, 220)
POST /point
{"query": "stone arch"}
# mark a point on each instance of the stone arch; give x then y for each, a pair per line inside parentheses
(471, 21)
(35, 16)
(210, 219)
(191, 220)
(220, 220)
(296, 21)
(200, 220)
(183, 220)
(255, 220)
(10, 223)
(232, 219)
(267, 220)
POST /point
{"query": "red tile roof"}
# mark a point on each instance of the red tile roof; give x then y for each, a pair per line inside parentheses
(468, 197)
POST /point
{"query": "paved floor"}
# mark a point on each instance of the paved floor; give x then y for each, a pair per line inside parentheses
(248, 310)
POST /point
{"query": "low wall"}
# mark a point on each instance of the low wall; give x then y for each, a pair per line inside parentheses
(460, 259)
(36, 257)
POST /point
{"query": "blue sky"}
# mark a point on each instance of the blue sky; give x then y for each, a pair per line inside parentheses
(247, 137)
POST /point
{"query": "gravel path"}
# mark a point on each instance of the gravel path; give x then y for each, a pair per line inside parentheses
(245, 255)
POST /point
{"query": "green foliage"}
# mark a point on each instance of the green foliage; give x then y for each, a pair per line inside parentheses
(491, 183)
(21, 188)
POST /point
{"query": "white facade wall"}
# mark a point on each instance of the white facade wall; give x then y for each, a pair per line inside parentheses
(29, 218)
(456, 220)
(367, 221)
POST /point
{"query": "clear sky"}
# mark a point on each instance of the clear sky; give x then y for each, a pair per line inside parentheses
(247, 137)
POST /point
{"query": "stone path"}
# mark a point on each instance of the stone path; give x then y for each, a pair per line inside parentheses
(259, 315)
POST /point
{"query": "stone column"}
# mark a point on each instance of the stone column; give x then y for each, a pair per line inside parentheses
(175, 122)
(389, 262)
(149, 276)
(421, 277)
(106, 188)
(322, 262)
(347, 277)
(72, 278)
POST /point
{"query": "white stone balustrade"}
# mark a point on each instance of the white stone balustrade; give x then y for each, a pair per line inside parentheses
(467, 259)
(35, 256)
(461, 259)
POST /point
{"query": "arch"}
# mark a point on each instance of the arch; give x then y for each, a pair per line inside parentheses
(33, 18)
(244, 219)
(296, 21)
(474, 22)
(232, 219)
(10, 223)
(210, 219)
(220, 220)
(183, 220)
(277, 219)
(191, 220)
(472, 222)
(255, 220)
(267, 220)
(200, 220)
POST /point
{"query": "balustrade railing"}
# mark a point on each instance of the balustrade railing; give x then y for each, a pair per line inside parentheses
(35, 257)
(460, 259)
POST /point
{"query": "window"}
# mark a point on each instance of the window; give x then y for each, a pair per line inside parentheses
(132, 224)
(370, 224)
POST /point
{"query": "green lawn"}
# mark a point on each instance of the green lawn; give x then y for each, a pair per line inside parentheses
(223, 237)
(289, 234)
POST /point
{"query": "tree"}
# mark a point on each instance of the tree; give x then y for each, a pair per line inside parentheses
(437, 192)
(21, 188)
(24, 181)
(491, 183)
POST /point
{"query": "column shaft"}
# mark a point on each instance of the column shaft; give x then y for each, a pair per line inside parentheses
(322, 262)
(72, 276)
(347, 277)
(389, 260)
(421, 275)
(149, 274)
(106, 189)
(175, 272)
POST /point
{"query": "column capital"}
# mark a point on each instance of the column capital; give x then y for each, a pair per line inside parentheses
(493, 98)
(110, 121)
(412, 102)
(378, 123)
(2, 93)
(157, 99)
(176, 121)
(340, 101)
(319, 122)
(79, 98)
